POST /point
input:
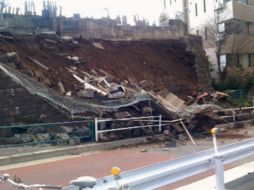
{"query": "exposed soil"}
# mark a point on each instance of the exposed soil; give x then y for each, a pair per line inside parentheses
(165, 64)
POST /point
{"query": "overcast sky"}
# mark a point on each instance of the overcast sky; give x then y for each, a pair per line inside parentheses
(148, 9)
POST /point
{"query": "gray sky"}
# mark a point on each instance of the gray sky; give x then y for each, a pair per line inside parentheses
(148, 9)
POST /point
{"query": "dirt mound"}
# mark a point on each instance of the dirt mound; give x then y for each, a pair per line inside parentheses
(162, 66)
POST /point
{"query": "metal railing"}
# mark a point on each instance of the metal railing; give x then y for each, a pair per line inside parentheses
(236, 113)
(165, 173)
(60, 133)
(148, 122)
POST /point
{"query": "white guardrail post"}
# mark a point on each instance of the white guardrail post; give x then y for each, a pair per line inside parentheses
(96, 129)
(218, 163)
(160, 123)
(219, 172)
(233, 113)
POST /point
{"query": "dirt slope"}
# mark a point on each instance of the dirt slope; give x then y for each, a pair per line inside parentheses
(165, 65)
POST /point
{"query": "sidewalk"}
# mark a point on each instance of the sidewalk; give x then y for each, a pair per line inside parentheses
(231, 181)
(52, 152)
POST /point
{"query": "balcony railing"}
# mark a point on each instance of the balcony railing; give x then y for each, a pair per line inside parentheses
(235, 10)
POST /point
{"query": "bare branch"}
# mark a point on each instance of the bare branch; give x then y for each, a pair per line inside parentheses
(3, 5)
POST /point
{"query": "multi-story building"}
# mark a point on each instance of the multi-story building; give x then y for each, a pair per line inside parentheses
(226, 26)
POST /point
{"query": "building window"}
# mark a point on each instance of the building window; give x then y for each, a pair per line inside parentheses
(221, 27)
(238, 27)
(223, 62)
(206, 35)
(244, 60)
(204, 6)
(243, 2)
(196, 9)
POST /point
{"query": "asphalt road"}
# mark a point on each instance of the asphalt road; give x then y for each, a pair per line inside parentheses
(60, 172)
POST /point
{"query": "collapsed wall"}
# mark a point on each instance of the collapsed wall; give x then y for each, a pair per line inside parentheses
(127, 78)
(104, 28)
(158, 66)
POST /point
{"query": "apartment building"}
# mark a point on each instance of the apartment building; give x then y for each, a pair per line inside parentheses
(226, 26)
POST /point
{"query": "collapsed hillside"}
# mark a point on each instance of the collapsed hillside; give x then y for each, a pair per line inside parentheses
(94, 78)
(161, 66)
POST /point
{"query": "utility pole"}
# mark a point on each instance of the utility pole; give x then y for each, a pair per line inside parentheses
(107, 10)
(186, 12)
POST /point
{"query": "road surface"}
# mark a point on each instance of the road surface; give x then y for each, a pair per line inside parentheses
(60, 172)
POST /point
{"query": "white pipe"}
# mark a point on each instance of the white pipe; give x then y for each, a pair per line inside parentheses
(89, 86)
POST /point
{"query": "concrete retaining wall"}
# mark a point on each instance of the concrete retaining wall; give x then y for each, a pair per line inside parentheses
(104, 28)
(17, 105)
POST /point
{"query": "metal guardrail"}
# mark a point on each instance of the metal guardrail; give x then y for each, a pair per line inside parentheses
(165, 173)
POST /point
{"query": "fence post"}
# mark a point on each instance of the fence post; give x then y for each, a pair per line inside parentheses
(96, 129)
(160, 123)
(233, 112)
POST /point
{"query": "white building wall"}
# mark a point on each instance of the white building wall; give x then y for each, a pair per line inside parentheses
(201, 14)
(203, 20)
(196, 22)
(175, 9)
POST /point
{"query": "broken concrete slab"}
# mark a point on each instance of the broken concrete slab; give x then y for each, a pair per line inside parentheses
(120, 115)
(86, 93)
(61, 87)
(98, 45)
(67, 38)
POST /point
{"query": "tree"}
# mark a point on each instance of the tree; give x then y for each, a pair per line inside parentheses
(163, 19)
(225, 38)
(3, 5)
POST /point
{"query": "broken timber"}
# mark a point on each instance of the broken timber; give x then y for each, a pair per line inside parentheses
(38, 63)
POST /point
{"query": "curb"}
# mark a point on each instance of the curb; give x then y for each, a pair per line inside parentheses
(39, 155)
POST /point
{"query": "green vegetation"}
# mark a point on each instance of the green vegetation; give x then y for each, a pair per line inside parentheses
(238, 87)
(235, 82)
(242, 102)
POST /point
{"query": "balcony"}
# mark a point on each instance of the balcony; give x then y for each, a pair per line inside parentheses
(235, 10)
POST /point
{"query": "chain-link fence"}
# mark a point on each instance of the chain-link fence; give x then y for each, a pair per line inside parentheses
(73, 106)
